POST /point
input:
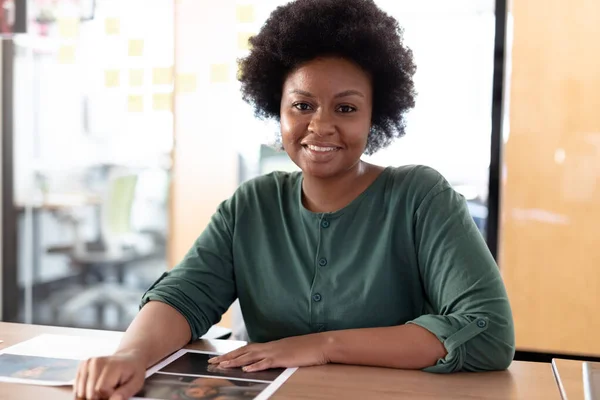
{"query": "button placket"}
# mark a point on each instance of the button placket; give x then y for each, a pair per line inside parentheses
(317, 298)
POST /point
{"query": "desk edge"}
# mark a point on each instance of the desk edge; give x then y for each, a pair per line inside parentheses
(561, 388)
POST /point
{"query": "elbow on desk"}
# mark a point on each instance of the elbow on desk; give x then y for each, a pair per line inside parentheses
(492, 351)
(474, 343)
(501, 360)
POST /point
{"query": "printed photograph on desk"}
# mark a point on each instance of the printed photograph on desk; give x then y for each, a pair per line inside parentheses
(197, 364)
(188, 375)
(177, 387)
(30, 369)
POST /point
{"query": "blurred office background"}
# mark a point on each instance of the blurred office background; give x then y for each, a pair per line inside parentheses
(123, 128)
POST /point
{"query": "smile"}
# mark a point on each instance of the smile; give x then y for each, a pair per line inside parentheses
(320, 154)
(321, 149)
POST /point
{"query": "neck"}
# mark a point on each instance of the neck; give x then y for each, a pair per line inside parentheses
(332, 194)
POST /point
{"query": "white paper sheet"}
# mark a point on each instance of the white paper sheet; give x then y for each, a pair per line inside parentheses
(69, 347)
(61, 347)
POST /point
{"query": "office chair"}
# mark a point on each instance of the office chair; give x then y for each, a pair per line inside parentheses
(106, 259)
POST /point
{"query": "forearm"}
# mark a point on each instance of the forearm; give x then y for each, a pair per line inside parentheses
(404, 346)
(157, 331)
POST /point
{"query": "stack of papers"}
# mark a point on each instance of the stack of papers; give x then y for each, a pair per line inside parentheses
(52, 360)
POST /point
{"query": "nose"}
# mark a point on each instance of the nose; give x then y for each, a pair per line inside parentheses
(322, 124)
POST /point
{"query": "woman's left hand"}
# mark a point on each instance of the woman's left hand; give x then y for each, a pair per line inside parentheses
(297, 351)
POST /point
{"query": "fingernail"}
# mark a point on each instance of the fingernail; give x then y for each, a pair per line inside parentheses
(246, 369)
(212, 360)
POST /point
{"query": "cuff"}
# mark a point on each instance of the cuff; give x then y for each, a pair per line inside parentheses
(162, 296)
(453, 332)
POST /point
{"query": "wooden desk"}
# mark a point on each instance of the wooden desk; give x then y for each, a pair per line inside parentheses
(61, 201)
(569, 378)
(522, 381)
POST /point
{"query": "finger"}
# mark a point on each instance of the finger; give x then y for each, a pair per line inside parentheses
(76, 380)
(109, 380)
(93, 370)
(265, 363)
(245, 359)
(129, 388)
(81, 379)
(229, 356)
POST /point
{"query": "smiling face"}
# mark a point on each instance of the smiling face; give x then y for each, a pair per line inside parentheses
(325, 113)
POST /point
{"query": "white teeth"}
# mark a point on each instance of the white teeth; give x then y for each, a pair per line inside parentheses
(323, 149)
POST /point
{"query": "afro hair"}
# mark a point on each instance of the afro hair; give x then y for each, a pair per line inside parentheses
(357, 30)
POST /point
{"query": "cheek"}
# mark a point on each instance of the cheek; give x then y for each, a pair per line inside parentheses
(291, 128)
(358, 133)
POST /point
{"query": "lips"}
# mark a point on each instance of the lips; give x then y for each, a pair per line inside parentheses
(316, 144)
(321, 149)
(321, 152)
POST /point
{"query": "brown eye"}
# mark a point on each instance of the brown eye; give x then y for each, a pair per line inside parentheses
(302, 106)
(346, 109)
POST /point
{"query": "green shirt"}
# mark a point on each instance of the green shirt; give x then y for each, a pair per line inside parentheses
(405, 251)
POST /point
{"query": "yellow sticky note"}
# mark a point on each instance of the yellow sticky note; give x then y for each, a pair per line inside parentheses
(112, 78)
(238, 74)
(112, 26)
(135, 103)
(66, 54)
(136, 48)
(162, 76)
(136, 77)
(162, 101)
(243, 43)
(219, 73)
(68, 27)
(244, 13)
(186, 83)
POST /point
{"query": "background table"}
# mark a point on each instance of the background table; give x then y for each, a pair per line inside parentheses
(522, 381)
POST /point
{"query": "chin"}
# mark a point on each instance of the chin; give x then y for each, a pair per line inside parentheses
(320, 171)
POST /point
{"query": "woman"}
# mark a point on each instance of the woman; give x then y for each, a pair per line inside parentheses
(345, 262)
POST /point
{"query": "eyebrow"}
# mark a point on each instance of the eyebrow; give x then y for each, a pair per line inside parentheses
(345, 93)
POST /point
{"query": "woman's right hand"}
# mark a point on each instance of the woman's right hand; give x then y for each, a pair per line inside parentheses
(116, 377)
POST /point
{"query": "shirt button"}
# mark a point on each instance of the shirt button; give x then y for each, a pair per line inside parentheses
(325, 224)
(317, 297)
(323, 262)
(481, 323)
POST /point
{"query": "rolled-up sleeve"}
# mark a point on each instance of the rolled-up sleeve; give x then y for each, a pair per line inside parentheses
(467, 305)
(202, 286)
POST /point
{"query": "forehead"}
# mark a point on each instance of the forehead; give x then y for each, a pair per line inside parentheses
(328, 74)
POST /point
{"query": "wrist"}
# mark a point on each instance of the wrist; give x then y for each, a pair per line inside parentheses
(134, 352)
(329, 344)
